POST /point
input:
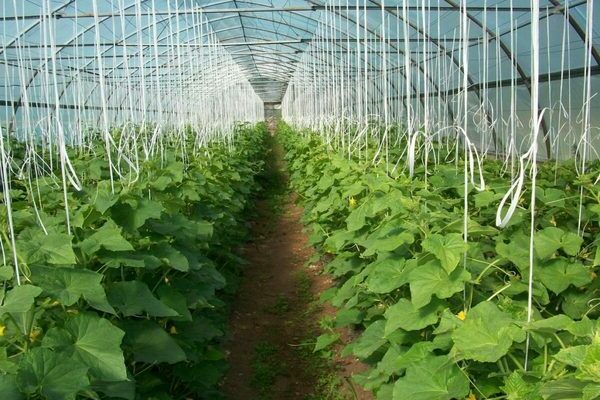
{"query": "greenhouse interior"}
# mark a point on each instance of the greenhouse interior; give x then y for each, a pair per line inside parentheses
(300, 199)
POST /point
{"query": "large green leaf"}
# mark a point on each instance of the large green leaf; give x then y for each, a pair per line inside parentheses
(370, 340)
(68, 285)
(559, 273)
(388, 274)
(551, 197)
(9, 388)
(589, 369)
(116, 390)
(171, 256)
(516, 388)
(485, 198)
(516, 251)
(487, 334)
(149, 343)
(7, 365)
(95, 342)
(576, 303)
(550, 325)
(134, 213)
(104, 198)
(431, 279)
(356, 219)
(175, 300)
(433, 378)
(573, 355)
(406, 316)
(562, 389)
(107, 237)
(37, 248)
(6, 273)
(52, 375)
(387, 238)
(549, 240)
(130, 259)
(449, 249)
(591, 392)
(20, 299)
(182, 228)
(134, 298)
(325, 340)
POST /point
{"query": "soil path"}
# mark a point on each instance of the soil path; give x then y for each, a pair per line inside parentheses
(274, 321)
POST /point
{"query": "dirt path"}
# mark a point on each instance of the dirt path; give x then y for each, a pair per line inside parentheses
(274, 321)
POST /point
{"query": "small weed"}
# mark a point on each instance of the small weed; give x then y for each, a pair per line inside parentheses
(281, 306)
(266, 368)
(304, 285)
(328, 384)
(329, 388)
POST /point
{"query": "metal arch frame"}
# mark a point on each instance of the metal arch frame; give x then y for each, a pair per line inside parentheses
(232, 54)
(318, 56)
(108, 49)
(105, 51)
(35, 24)
(222, 41)
(393, 46)
(135, 33)
(513, 59)
(206, 21)
(252, 37)
(223, 53)
(239, 15)
(17, 104)
(210, 21)
(278, 33)
(85, 30)
(340, 44)
(194, 27)
(579, 30)
(444, 50)
(557, 8)
(270, 8)
(472, 18)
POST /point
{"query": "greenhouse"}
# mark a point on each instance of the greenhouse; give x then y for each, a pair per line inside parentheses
(300, 199)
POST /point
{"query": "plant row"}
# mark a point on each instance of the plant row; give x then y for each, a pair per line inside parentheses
(132, 303)
(442, 318)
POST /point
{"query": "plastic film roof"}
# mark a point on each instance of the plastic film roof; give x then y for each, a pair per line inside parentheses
(267, 44)
(159, 42)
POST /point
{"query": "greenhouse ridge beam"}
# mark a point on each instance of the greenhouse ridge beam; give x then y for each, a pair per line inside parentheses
(254, 43)
(312, 8)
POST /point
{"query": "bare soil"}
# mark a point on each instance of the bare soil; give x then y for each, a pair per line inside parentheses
(275, 308)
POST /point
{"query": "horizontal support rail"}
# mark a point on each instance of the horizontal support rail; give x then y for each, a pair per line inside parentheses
(246, 43)
(246, 10)
(543, 78)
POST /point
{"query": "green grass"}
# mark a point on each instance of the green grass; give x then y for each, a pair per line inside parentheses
(266, 367)
(303, 287)
(281, 306)
(274, 182)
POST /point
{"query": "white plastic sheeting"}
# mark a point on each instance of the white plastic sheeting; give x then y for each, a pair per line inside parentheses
(411, 63)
